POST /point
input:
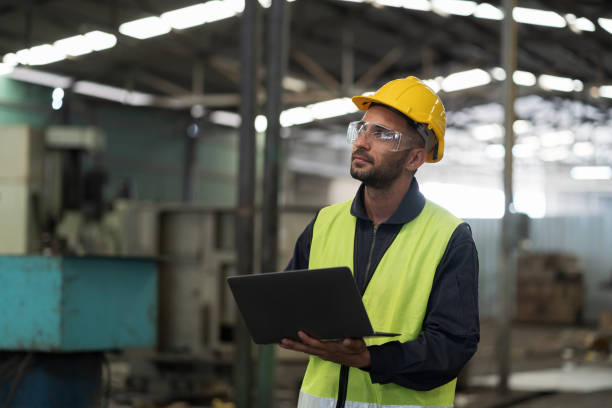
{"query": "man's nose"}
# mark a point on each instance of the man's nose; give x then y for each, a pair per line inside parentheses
(362, 141)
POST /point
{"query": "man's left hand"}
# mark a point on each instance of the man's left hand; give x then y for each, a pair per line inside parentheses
(349, 352)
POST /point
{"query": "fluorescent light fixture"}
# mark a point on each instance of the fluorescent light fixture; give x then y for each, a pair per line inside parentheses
(466, 79)
(261, 123)
(495, 151)
(225, 118)
(10, 59)
(74, 46)
(488, 132)
(579, 24)
(294, 84)
(236, 5)
(5, 69)
(591, 173)
(433, 84)
(555, 83)
(44, 54)
(145, 28)
(295, 116)
(198, 14)
(40, 78)
(488, 11)
(265, 3)
(112, 93)
(23, 56)
(524, 78)
(498, 73)
(460, 199)
(99, 40)
(332, 108)
(563, 137)
(553, 154)
(538, 17)
(58, 93)
(532, 203)
(393, 3)
(605, 23)
(522, 126)
(57, 104)
(457, 7)
(583, 149)
(421, 5)
(605, 91)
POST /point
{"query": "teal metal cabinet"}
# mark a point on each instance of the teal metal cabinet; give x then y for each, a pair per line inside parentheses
(69, 304)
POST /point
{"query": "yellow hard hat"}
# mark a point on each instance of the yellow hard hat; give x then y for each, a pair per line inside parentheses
(416, 100)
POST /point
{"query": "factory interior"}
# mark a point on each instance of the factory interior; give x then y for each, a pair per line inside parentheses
(150, 149)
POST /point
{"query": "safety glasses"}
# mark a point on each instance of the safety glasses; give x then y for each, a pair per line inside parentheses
(375, 132)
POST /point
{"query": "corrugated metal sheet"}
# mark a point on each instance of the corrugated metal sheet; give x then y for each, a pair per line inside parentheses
(588, 237)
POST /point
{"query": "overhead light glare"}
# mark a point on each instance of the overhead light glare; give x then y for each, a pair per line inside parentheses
(466, 79)
(332, 108)
(261, 123)
(524, 78)
(6, 69)
(112, 93)
(605, 23)
(579, 24)
(591, 173)
(294, 84)
(521, 126)
(538, 17)
(498, 73)
(236, 5)
(10, 59)
(456, 7)
(563, 137)
(488, 132)
(583, 149)
(44, 54)
(40, 78)
(225, 118)
(295, 116)
(553, 154)
(489, 12)
(56, 104)
(555, 83)
(605, 91)
(145, 28)
(433, 84)
(495, 151)
(524, 151)
(99, 40)
(198, 14)
(74, 46)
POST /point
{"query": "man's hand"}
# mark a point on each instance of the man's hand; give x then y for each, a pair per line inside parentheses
(349, 352)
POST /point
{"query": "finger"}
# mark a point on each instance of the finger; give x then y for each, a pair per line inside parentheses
(304, 348)
(311, 341)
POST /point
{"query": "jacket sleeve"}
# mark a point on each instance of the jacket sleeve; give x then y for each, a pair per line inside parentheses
(451, 328)
(301, 251)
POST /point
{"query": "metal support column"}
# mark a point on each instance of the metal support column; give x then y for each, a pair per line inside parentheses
(276, 46)
(246, 195)
(505, 282)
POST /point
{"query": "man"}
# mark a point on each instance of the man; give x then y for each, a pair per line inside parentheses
(415, 264)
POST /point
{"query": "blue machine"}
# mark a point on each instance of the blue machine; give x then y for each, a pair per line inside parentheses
(57, 316)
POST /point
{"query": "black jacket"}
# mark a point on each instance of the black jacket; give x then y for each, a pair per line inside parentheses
(451, 329)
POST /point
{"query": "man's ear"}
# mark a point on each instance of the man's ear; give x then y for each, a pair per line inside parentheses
(416, 158)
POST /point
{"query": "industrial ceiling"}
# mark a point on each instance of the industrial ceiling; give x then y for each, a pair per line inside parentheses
(337, 48)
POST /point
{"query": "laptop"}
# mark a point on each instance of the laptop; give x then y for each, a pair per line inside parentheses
(325, 303)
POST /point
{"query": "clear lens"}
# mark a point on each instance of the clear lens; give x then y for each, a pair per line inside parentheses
(375, 132)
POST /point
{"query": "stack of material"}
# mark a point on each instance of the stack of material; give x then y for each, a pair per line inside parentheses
(550, 288)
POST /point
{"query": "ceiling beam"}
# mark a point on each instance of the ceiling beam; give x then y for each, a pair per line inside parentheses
(316, 70)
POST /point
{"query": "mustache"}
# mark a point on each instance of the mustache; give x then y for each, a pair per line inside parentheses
(362, 154)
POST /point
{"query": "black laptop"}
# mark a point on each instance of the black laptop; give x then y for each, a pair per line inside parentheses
(325, 303)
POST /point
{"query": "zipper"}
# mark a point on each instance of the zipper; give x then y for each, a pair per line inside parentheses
(342, 386)
(344, 370)
(367, 270)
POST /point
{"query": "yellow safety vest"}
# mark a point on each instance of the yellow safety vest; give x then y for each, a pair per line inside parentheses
(396, 300)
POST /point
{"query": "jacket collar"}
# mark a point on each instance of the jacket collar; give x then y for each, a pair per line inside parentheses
(410, 207)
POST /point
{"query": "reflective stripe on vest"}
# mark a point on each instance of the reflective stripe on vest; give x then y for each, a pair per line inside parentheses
(311, 401)
(396, 299)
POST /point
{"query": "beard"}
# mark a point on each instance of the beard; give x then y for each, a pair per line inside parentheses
(378, 176)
